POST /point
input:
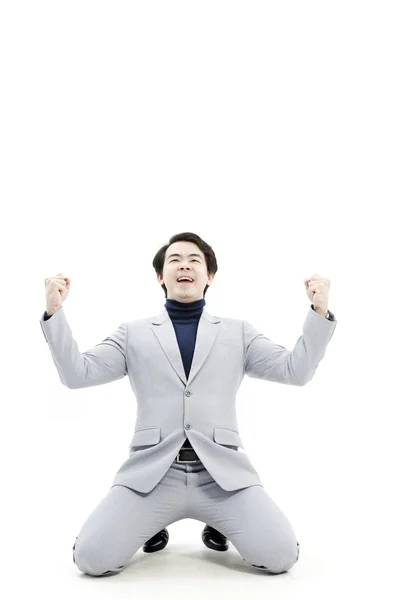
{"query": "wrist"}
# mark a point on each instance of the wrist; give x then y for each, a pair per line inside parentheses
(320, 311)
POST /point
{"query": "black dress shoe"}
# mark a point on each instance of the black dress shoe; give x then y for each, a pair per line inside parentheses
(157, 542)
(214, 539)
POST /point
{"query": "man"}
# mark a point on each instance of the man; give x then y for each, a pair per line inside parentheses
(185, 367)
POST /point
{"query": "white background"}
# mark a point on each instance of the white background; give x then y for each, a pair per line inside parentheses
(272, 131)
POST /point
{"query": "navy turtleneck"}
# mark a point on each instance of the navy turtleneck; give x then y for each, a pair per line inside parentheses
(185, 318)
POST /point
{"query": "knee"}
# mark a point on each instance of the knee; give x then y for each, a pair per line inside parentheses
(91, 561)
(280, 561)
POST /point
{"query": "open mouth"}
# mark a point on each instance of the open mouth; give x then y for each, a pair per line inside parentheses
(185, 282)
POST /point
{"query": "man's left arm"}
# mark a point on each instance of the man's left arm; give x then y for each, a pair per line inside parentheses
(265, 359)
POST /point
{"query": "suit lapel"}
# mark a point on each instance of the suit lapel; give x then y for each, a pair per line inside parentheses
(207, 331)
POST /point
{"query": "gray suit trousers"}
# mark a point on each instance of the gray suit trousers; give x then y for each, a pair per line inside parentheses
(125, 519)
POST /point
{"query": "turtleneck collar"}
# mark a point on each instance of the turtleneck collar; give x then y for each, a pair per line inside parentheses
(183, 311)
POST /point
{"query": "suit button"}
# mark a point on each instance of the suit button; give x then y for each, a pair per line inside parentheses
(187, 393)
(187, 426)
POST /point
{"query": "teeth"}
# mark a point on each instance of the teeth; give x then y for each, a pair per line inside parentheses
(185, 279)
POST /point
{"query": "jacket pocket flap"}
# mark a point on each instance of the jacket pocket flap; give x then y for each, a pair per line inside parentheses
(146, 437)
(227, 437)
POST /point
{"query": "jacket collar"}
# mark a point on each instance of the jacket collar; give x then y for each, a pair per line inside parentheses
(207, 331)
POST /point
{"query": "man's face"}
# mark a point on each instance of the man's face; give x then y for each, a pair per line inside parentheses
(185, 258)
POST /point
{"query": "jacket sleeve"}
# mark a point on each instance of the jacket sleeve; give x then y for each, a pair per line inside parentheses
(265, 359)
(103, 363)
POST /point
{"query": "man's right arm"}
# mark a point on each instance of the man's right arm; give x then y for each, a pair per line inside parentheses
(101, 364)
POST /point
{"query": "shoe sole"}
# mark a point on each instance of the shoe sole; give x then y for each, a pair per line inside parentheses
(213, 546)
(155, 547)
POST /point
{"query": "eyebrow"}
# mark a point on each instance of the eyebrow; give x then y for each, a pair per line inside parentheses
(192, 254)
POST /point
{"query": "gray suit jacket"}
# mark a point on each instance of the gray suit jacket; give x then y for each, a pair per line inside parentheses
(170, 406)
